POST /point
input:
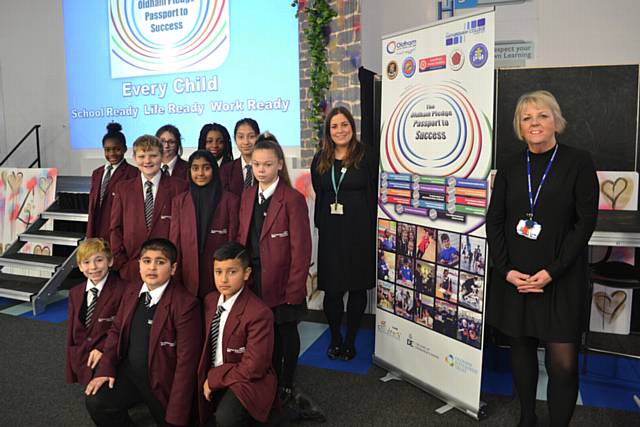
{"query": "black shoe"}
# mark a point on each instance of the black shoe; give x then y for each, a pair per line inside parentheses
(348, 353)
(334, 351)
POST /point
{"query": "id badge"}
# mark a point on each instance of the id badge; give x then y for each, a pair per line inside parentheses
(337, 209)
(528, 228)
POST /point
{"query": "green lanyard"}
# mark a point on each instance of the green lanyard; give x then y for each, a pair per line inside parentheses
(336, 188)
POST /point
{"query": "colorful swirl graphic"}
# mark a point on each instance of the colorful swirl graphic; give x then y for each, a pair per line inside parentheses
(455, 152)
(160, 37)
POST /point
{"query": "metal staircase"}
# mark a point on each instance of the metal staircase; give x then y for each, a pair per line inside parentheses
(39, 276)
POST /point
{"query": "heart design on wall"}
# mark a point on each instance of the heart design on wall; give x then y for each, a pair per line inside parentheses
(44, 184)
(618, 192)
(14, 180)
(610, 305)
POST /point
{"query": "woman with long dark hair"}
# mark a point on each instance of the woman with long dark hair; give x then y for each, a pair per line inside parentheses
(215, 139)
(344, 176)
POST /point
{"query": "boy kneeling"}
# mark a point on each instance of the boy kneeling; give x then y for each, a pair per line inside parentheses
(235, 372)
(151, 353)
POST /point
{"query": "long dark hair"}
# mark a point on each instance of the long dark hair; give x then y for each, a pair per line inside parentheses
(227, 154)
(176, 134)
(114, 131)
(267, 141)
(355, 149)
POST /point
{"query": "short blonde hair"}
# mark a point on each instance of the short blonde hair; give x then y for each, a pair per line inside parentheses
(539, 98)
(146, 142)
(90, 247)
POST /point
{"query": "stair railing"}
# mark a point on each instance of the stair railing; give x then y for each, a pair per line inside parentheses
(36, 129)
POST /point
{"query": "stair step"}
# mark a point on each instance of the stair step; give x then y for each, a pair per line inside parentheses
(66, 214)
(31, 260)
(66, 238)
(18, 287)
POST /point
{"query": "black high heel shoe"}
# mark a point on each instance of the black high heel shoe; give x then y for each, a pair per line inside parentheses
(348, 353)
(334, 351)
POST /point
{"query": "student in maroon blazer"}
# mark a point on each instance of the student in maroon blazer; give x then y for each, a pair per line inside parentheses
(202, 219)
(152, 350)
(274, 225)
(93, 305)
(235, 378)
(172, 164)
(234, 174)
(116, 170)
(128, 220)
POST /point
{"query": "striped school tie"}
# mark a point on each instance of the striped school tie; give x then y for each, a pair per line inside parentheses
(92, 306)
(105, 181)
(165, 170)
(248, 177)
(148, 204)
(147, 299)
(213, 334)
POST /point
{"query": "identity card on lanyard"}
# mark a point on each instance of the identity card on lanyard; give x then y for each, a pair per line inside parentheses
(529, 228)
(337, 208)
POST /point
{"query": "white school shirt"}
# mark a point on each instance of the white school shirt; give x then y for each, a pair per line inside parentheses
(171, 164)
(156, 294)
(228, 304)
(154, 189)
(98, 285)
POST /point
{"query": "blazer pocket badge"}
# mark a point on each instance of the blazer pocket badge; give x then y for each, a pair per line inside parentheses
(283, 234)
(223, 231)
(106, 319)
(167, 343)
(236, 350)
(165, 216)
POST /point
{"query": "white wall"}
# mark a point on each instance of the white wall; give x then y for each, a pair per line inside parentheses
(33, 84)
(564, 32)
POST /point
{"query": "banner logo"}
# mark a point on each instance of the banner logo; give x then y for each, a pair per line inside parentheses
(478, 55)
(403, 46)
(433, 63)
(409, 67)
(449, 360)
(456, 60)
(392, 70)
(158, 37)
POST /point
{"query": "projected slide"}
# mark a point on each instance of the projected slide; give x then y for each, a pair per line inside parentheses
(146, 63)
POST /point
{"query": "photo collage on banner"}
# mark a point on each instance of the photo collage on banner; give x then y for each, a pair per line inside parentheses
(432, 277)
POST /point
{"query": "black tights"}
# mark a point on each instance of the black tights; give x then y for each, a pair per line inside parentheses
(561, 362)
(334, 307)
(286, 347)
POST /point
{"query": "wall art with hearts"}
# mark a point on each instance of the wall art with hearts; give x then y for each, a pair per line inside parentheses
(24, 194)
(611, 307)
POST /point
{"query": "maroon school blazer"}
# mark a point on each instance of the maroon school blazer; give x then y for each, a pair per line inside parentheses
(231, 177)
(82, 340)
(247, 347)
(181, 169)
(175, 341)
(285, 244)
(192, 267)
(100, 214)
(128, 229)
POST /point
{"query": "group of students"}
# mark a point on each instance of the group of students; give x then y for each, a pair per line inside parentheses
(170, 245)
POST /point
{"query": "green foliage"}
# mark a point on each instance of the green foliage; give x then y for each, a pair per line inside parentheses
(318, 14)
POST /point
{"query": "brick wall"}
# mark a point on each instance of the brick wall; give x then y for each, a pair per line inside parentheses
(344, 58)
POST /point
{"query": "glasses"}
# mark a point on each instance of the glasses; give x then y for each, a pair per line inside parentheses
(169, 141)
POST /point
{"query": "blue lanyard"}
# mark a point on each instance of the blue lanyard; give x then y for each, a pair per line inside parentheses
(336, 188)
(533, 201)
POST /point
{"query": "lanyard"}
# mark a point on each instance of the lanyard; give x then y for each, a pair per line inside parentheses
(532, 200)
(336, 188)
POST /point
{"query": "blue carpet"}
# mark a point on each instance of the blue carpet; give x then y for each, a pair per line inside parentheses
(54, 313)
(316, 354)
(611, 382)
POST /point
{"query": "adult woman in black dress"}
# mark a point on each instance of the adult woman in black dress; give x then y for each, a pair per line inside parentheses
(344, 177)
(539, 283)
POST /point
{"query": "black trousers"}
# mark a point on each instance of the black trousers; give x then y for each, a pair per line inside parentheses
(231, 413)
(109, 407)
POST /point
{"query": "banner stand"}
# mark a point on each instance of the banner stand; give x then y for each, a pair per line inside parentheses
(436, 148)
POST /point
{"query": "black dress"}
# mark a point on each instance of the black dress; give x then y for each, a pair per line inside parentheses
(346, 243)
(567, 209)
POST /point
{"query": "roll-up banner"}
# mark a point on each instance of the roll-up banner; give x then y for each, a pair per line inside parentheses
(435, 158)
